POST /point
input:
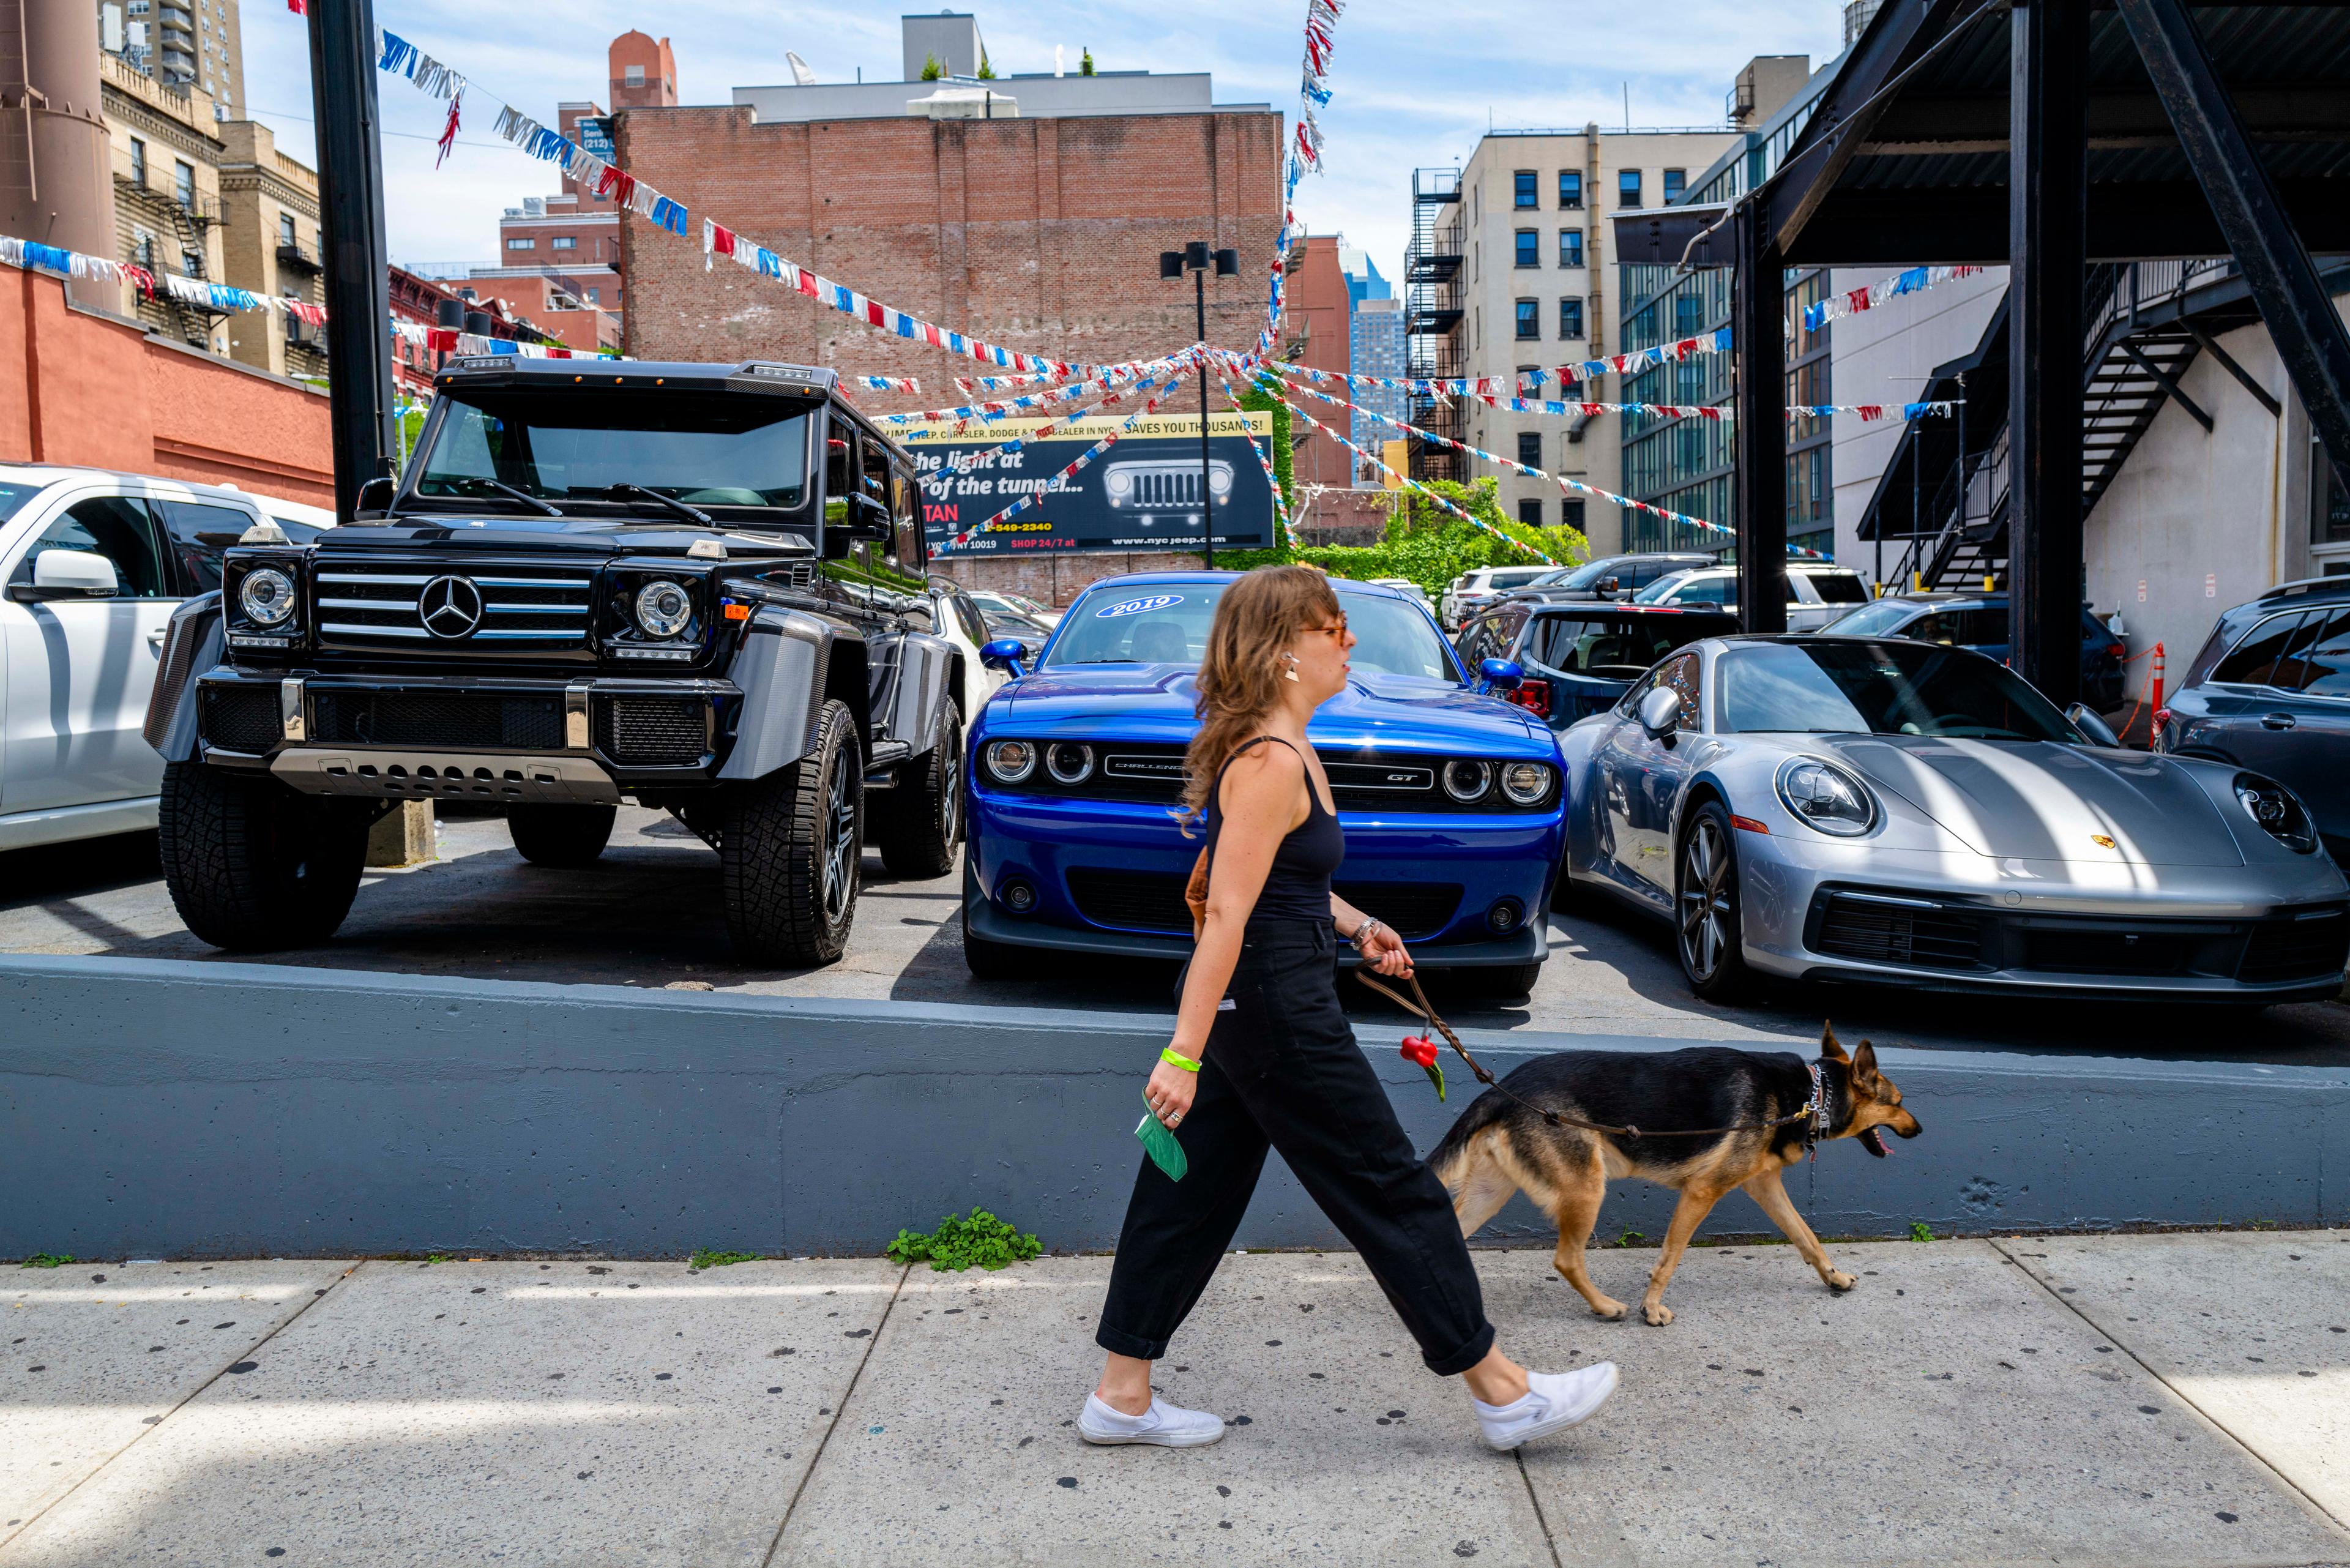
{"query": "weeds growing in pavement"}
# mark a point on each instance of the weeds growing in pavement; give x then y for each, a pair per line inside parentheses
(1919, 1231)
(980, 1239)
(1631, 1239)
(703, 1258)
(48, 1261)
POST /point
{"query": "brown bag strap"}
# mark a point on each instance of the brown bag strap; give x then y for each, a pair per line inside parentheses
(1195, 891)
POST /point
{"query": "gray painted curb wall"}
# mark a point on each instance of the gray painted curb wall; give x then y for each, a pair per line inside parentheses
(172, 1109)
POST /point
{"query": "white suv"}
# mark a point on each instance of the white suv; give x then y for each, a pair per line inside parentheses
(1816, 592)
(94, 564)
(1470, 591)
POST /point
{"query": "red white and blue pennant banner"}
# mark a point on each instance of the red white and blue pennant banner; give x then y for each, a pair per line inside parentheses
(1853, 301)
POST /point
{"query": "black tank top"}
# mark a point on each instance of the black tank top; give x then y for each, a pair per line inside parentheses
(1297, 887)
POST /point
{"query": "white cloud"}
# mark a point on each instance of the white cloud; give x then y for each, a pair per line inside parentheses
(1414, 85)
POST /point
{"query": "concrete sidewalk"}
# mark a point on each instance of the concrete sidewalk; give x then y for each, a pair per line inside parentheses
(2180, 1399)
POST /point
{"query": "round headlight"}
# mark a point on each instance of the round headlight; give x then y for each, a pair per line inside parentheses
(1526, 782)
(1220, 479)
(267, 596)
(2278, 811)
(663, 609)
(1466, 779)
(1068, 762)
(1011, 761)
(1826, 797)
(1120, 481)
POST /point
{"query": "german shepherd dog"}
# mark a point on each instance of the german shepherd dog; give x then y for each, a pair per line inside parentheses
(1499, 1146)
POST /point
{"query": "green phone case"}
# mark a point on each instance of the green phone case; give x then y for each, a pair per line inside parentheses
(1160, 1146)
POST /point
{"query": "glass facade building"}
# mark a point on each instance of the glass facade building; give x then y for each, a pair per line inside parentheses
(1687, 464)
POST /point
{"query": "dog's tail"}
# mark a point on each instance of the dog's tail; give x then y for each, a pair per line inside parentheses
(1448, 1157)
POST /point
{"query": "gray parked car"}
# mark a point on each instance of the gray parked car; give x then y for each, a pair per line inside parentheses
(2270, 691)
(1883, 810)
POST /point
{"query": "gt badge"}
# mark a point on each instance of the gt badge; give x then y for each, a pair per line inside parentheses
(2101, 841)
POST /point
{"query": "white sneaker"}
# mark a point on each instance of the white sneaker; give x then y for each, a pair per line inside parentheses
(1168, 1426)
(1553, 1401)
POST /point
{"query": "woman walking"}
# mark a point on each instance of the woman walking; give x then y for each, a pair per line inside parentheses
(1262, 1056)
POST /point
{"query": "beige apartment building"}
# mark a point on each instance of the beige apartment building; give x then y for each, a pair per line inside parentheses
(1538, 290)
(203, 196)
(167, 147)
(271, 243)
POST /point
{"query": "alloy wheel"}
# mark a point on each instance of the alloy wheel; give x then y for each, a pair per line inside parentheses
(1706, 915)
(841, 845)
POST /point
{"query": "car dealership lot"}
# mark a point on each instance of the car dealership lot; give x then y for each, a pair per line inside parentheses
(646, 915)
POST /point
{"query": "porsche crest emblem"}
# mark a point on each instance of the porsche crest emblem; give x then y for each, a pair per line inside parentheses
(2101, 841)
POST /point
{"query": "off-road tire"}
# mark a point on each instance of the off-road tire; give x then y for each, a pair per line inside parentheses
(564, 837)
(254, 864)
(1705, 890)
(918, 824)
(790, 884)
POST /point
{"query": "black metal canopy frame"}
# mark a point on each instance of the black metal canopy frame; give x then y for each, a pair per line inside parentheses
(2048, 135)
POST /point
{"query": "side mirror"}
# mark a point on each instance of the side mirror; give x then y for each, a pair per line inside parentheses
(1499, 674)
(868, 517)
(69, 575)
(1660, 713)
(2099, 733)
(375, 497)
(1609, 587)
(1005, 653)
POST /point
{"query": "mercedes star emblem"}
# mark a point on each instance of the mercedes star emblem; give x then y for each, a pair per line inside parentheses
(450, 607)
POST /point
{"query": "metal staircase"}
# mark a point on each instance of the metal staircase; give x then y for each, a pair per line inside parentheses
(1943, 497)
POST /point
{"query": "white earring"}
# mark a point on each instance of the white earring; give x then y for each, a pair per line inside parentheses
(1290, 674)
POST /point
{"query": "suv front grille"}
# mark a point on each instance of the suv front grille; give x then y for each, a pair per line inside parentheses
(242, 717)
(653, 732)
(527, 605)
(430, 719)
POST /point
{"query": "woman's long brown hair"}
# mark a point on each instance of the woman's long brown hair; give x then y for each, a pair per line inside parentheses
(1240, 674)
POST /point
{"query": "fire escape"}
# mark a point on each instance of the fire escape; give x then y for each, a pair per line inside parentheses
(1432, 316)
(1943, 499)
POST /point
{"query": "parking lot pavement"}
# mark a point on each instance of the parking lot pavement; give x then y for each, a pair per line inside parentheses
(646, 915)
(1958, 1407)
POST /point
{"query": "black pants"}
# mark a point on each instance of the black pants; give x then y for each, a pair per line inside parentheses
(1283, 1070)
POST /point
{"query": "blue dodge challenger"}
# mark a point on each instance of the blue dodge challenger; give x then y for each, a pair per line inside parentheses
(1450, 796)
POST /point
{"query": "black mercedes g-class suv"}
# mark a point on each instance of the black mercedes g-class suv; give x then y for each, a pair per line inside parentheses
(697, 586)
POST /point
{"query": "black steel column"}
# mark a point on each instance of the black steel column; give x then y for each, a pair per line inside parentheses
(2301, 321)
(1758, 316)
(358, 287)
(1207, 499)
(2047, 179)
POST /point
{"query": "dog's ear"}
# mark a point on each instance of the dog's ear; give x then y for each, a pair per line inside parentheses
(1831, 1050)
(1864, 1063)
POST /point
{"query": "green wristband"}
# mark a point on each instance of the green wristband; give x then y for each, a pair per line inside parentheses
(1169, 1055)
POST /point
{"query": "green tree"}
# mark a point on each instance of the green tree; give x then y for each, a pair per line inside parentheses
(932, 69)
(986, 71)
(1085, 62)
(1431, 546)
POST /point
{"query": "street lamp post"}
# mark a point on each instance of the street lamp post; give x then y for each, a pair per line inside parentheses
(1196, 259)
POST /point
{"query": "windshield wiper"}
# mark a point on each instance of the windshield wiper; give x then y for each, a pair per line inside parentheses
(503, 488)
(691, 513)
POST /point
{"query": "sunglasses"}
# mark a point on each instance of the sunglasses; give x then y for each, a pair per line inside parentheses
(1337, 630)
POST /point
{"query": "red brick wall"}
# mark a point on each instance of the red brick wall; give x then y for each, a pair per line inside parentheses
(1040, 234)
(1314, 323)
(76, 387)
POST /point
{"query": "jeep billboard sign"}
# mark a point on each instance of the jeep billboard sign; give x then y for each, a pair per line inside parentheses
(1143, 493)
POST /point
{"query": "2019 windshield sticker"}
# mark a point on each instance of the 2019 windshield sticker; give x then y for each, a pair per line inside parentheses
(1139, 607)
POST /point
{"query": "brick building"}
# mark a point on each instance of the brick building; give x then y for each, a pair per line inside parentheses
(1040, 231)
(1314, 333)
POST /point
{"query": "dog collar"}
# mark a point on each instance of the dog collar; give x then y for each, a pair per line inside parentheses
(1818, 1126)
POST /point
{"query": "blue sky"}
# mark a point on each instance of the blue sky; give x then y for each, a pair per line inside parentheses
(1415, 84)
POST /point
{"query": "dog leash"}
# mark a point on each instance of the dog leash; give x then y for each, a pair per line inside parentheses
(1419, 1004)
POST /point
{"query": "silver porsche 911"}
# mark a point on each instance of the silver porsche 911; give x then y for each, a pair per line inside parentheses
(1844, 808)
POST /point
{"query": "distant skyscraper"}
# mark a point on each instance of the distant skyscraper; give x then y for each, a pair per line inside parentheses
(1375, 341)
